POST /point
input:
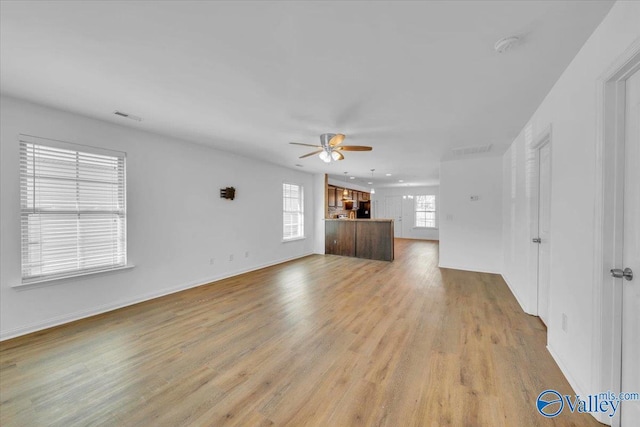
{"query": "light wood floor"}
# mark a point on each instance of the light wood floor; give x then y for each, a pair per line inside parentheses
(321, 341)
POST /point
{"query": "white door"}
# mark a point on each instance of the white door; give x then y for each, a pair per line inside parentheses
(630, 410)
(544, 218)
(394, 212)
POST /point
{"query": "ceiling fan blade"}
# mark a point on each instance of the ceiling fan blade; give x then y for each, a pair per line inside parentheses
(306, 145)
(339, 154)
(336, 140)
(354, 148)
(311, 154)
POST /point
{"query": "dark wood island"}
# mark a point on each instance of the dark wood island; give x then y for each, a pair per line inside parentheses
(362, 238)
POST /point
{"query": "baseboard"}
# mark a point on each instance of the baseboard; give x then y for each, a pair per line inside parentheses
(515, 295)
(418, 238)
(563, 367)
(467, 268)
(578, 389)
(79, 315)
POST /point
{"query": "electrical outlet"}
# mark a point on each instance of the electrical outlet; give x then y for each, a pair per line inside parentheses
(230, 257)
(212, 261)
(565, 322)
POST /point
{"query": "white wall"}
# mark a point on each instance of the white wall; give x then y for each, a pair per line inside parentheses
(408, 210)
(571, 109)
(471, 231)
(176, 218)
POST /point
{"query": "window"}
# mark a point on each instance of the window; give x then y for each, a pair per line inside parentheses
(293, 212)
(426, 211)
(73, 215)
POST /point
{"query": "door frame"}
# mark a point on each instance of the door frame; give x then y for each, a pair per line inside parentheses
(607, 297)
(540, 141)
(398, 225)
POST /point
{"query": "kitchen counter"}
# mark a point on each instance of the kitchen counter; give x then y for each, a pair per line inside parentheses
(360, 219)
(361, 238)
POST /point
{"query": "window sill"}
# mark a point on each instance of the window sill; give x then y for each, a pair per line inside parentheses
(295, 239)
(52, 280)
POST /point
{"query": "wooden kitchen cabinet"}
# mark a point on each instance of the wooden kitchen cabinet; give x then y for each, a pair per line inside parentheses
(331, 195)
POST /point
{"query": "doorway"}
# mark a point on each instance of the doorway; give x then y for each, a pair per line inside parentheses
(393, 206)
(617, 234)
(630, 381)
(543, 214)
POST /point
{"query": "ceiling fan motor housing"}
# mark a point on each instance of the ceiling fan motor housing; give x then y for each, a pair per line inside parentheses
(325, 138)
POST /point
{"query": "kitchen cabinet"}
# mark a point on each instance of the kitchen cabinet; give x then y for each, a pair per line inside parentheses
(331, 195)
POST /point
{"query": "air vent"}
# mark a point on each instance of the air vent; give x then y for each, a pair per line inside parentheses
(470, 151)
(128, 116)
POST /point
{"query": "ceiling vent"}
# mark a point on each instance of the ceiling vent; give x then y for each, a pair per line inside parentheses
(470, 151)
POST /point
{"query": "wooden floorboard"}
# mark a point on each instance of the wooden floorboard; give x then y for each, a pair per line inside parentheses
(320, 341)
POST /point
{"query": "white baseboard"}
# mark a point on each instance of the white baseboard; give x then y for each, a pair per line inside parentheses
(467, 268)
(83, 314)
(578, 388)
(515, 295)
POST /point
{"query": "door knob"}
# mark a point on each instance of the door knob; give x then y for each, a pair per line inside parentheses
(536, 240)
(627, 273)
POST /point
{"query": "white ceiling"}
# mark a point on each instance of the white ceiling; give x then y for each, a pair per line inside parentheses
(412, 79)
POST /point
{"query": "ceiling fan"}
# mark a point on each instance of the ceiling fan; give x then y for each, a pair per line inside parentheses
(330, 148)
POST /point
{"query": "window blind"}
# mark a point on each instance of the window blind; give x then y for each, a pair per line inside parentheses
(426, 211)
(73, 214)
(293, 218)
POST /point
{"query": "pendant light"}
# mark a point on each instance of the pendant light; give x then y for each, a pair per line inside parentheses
(345, 193)
(373, 190)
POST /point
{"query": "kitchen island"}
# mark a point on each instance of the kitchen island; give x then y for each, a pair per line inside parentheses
(361, 238)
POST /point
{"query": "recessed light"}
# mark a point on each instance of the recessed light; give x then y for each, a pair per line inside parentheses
(401, 180)
(388, 174)
(369, 182)
(352, 177)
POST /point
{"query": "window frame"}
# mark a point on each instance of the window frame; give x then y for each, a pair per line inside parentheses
(300, 212)
(435, 212)
(85, 208)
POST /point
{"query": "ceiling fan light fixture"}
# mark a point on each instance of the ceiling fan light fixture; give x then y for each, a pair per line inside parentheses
(330, 148)
(325, 157)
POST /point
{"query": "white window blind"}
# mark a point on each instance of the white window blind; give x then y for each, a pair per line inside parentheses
(425, 211)
(293, 212)
(73, 214)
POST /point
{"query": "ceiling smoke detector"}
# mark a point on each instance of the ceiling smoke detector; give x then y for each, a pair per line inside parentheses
(506, 43)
